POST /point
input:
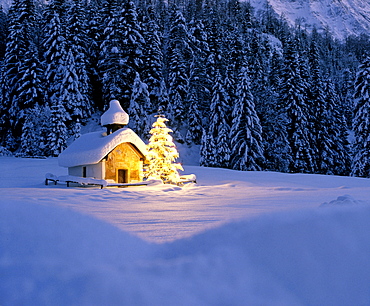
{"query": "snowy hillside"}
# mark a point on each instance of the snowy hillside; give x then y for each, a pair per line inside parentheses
(340, 17)
(235, 238)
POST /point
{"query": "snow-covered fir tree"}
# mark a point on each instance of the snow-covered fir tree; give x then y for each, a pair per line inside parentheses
(54, 45)
(294, 104)
(334, 154)
(194, 121)
(139, 107)
(77, 37)
(274, 121)
(3, 31)
(361, 121)
(318, 115)
(20, 56)
(200, 84)
(152, 73)
(219, 129)
(30, 140)
(178, 71)
(163, 96)
(111, 55)
(69, 91)
(207, 150)
(162, 153)
(31, 88)
(246, 130)
(95, 25)
(133, 44)
(58, 133)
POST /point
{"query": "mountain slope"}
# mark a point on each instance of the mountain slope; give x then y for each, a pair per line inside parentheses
(341, 17)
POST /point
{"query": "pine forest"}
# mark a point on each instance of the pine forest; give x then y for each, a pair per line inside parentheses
(240, 85)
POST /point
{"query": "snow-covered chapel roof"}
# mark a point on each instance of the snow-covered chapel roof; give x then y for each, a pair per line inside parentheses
(91, 148)
(114, 114)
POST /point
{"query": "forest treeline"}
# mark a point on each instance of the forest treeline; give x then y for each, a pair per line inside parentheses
(254, 93)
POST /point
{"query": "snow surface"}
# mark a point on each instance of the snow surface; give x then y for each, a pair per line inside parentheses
(235, 238)
(91, 148)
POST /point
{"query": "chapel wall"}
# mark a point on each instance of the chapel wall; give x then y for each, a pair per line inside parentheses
(126, 157)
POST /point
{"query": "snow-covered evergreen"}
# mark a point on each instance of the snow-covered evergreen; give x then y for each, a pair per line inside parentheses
(219, 129)
(82, 54)
(58, 132)
(178, 71)
(162, 153)
(361, 121)
(139, 107)
(152, 73)
(20, 65)
(246, 131)
(294, 103)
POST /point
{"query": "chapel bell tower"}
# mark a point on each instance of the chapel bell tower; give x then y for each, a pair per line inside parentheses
(114, 118)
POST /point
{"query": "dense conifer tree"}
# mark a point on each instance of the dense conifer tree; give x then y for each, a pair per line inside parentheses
(58, 133)
(246, 131)
(361, 121)
(334, 157)
(179, 52)
(121, 52)
(219, 129)
(3, 32)
(199, 80)
(92, 51)
(152, 72)
(207, 150)
(294, 105)
(111, 68)
(31, 96)
(68, 91)
(94, 39)
(139, 107)
(30, 139)
(236, 50)
(133, 42)
(215, 59)
(317, 110)
(194, 120)
(21, 53)
(256, 61)
(274, 121)
(54, 45)
(78, 38)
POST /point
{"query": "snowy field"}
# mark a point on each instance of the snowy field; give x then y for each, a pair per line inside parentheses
(235, 238)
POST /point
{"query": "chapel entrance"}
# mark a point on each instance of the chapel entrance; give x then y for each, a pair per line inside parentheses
(122, 176)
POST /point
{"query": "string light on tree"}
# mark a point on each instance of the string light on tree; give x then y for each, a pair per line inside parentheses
(162, 153)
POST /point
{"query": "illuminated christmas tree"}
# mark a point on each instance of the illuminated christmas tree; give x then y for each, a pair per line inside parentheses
(162, 153)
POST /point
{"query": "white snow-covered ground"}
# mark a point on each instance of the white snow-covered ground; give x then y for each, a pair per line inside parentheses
(235, 238)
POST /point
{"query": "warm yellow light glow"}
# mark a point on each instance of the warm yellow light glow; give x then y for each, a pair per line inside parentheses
(162, 154)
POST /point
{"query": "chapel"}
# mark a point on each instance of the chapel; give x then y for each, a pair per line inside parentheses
(116, 155)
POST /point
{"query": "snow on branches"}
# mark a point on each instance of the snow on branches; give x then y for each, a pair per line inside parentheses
(162, 153)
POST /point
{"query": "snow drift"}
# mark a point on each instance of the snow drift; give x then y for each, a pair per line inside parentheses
(51, 255)
(253, 238)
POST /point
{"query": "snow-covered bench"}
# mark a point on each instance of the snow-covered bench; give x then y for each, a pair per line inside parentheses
(68, 179)
(50, 177)
(189, 178)
(82, 181)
